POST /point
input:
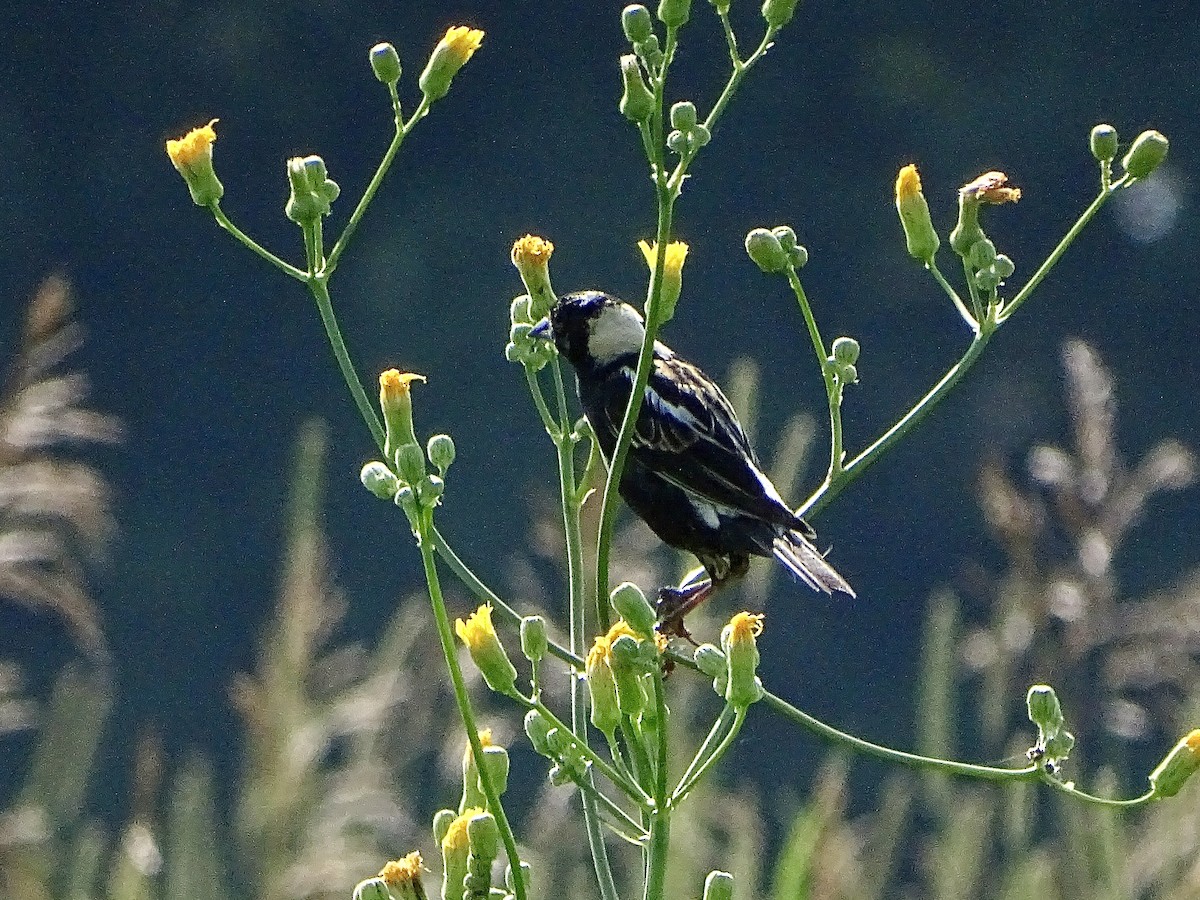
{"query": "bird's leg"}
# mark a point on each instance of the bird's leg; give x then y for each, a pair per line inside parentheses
(675, 603)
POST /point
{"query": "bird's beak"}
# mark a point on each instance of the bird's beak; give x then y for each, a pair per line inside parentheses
(542, 329)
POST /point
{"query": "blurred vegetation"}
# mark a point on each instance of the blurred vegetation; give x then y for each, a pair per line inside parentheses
(349, 750)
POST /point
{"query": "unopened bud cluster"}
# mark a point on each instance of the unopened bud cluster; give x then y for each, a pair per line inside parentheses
(312, 190)
(689, 135)
(775, 250)
(639, 31)
(842, 359)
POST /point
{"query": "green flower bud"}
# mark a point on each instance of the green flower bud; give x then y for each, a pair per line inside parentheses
(483, 837)
(430, 490)
(627, 667)
(636, 23)
(798, 257)
(1044, 710)
(786, 236)
(1004, 266)
(406, 499)
(632, 606)
(649, 52)
(537, 729)
(441, 823)
(192, 157)
(700, 136)
(472, 790)
(738, 640)
(496, 762)
(982, 254)
(712, 663)
(847, 374)
(371, 889)
(534, 642)
(379, 480)
(440, 451)
(521, 310)
(410, 463)
(718, 886)
(1059, 747)
(779, 12)
(313, 191)
(385, 63)
(1103, 143)
(602, 691)
(677, 142)
(1147, 153)
(683, 115)
(920, 236)
(765, 250)
(452, 52)
(637, 103)
(1178, 766)
(845, 351)
(478, 633)
(674, 13)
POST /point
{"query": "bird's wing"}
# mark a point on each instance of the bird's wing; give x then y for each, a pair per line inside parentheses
(689, 434)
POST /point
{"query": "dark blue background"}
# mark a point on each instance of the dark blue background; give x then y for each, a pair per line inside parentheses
(213, 359)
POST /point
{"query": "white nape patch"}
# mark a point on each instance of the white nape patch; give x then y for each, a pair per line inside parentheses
(616, 331)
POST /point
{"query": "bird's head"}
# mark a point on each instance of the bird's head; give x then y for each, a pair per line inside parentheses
(592, 329)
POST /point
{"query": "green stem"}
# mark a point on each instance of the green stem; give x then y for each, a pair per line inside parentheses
(1071, 791)
(660, 815)
(482, 592)
(711, 750)
(320, 292)
(445, 636)
(1069, 238)
(249, 242)
(953, 295)
(834, 486)
(402, 130)
(833, 393)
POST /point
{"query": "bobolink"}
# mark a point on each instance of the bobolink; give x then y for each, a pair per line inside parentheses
(691, 474)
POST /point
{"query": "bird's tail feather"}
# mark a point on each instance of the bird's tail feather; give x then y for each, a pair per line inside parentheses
(797, 552)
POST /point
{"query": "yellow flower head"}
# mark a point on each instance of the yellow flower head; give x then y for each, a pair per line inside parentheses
(400, 872)
(531, 250)
(673, 263)
(476, 630)
(457, 45)
(393, 384)
(462, 42)
(991, 187)
(745, 626)
(456, 835)
(531, 255)
(672, 279)
(1193, 741)
(908, 183)
(193, 146)
(192, 157)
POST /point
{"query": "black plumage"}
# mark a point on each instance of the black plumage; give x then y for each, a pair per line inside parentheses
(691, 473)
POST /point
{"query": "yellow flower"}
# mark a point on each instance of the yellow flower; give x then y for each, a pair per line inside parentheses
(457, 46)
(531, 255)
(741, 651)
(403, 871)
(1179, 765)
(672, 280)
(991, 187)
(396, 404)
(192, 157)
(456, 835)
(919, 233)
(478, 633)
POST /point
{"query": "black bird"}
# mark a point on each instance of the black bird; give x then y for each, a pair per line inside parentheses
(691, 473)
